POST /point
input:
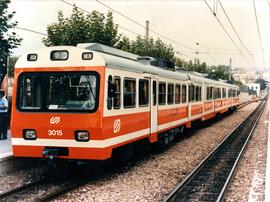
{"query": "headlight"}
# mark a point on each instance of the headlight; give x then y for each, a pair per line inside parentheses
(29, 134)
(32, 57)
(82, 135)
(59, 55)
(87, 56)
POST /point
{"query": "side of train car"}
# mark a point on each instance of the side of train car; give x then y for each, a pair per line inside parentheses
(83, 102)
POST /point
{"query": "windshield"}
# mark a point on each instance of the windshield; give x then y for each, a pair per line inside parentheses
(72, 91)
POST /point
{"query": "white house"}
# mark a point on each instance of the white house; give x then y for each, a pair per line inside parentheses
(256, 87)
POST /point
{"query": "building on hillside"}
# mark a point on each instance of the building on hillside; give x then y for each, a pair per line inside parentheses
(244, 76)
(254, 87)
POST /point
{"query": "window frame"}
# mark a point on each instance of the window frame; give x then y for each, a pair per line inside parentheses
(198, 92)
(163, 94)
(171, 94)
(135, 98)
(147, 103)
(190, 88)
(224, 93)
(44, 76)
(184, 92)
(120, 92)
(179, 93)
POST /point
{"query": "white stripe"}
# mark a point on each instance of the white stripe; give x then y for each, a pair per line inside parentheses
(73, 143)
(223, 107)
(171, 124)
(195, 116)
(267, 178)
(208, 111)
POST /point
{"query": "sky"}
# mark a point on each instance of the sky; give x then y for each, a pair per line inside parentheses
(181, 23)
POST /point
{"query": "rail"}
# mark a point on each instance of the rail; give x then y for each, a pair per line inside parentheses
(209, 180)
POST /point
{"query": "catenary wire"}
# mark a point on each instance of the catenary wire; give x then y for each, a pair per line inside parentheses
(151, 30)
(161, 35)
(226, 32)
(258, 29)
(122, 26)
(228, 18)
(30, 30)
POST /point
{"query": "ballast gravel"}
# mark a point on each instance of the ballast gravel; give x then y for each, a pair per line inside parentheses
(153, 177)
(248, 183)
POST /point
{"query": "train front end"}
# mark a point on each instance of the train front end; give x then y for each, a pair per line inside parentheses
(57, 104)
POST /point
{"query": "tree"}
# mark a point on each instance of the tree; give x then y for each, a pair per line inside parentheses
(142, 46)
(8, 40)
(124, 44)
(94, 27)
(218, 72)
(12, 62)
(262, 82)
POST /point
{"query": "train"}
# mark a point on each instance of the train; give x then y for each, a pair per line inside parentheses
(84, 102)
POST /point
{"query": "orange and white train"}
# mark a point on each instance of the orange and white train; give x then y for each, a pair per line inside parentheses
(84, 102)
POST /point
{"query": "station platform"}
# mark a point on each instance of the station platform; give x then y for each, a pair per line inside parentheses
(5, 148)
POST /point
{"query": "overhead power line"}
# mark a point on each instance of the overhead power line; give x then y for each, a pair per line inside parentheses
(224, 29)
(124, 27)
(70, 4)
(143, 26)
(30, 30)
(233, 27)
(258, 29)
(151, 30)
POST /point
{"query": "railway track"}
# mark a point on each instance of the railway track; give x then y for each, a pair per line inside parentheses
(209, 180)
(17, 192)
(26, 192)
(243, 104)
(49, 188)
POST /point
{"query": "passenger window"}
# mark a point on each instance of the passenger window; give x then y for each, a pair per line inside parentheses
(109, 94)
(154, 93)
(184, 93)
(117, 97)
(230, 92)
(224, 95)
(200, 93)
(197, 93)
(217, 93)
(129, 93)
(162, 93)
(170, 93)
(143, 92)
(207, 93)
(30, 92)
(191, 93)
(177, 93)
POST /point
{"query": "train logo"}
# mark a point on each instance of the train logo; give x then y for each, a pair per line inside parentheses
(116, 125)
(55, 120)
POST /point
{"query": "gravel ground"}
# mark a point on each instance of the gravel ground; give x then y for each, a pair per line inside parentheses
(248, 183)
(153, 177)
(19, 178)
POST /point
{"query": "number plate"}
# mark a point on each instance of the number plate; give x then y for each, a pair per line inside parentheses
(55, 132)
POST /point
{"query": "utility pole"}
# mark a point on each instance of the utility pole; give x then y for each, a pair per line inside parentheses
(147, 30)
(230, 70)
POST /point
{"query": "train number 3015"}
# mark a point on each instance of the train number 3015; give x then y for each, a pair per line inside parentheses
(55, 132)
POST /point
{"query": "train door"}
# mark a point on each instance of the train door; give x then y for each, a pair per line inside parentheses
(154, 106)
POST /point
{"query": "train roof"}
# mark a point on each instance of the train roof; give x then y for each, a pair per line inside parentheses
(106, 56)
